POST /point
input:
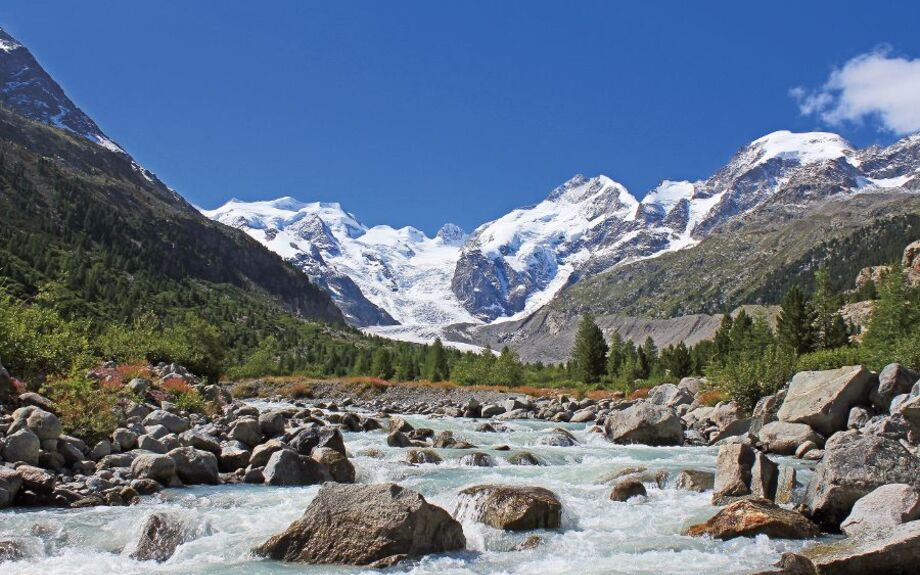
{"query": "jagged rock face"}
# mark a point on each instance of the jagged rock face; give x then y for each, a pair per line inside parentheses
(515, 264)
(27, 89)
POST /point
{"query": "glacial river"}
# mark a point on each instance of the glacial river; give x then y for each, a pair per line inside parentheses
(599, 536)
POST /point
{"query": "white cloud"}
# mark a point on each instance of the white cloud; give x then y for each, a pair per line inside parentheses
(873, 85)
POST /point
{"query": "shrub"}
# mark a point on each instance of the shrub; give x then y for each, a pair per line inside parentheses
(748, 378)
(86, 409)
(830, 358)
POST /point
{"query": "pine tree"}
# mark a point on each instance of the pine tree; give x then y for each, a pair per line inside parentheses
(795, 324)
(893, 316)
(382, 364)
(828, 321)
(677, 360)
(616, 355)
(590, 351)
(436, 368)
(650, 351)
(722, 340)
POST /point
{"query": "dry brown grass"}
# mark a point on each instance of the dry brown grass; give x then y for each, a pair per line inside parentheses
(640, 393)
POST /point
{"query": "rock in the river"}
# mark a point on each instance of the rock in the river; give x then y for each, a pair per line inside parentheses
(557, 437)
(751, 517)
(194, 466)
(287, 468)
(376, 525)
(893, 380)
(785, 484)
(523, 458)
(245, 429)
(646, 424)
(511, 508)
(626, 488)
(784, 438)
(883, 508)
(420, 456)
(398, 439)
(160, 536)
(734, 466)
(894, 552)
(308, 439)
(477, 459)
(22, 446)
(695, 480)
(669, 395)
(156, 466)
(822, 399)
(10, 483)
(763, 477)
(852, 467)
(338, 465)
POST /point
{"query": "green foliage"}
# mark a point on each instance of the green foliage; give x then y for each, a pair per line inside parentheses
(830, 328)
(436, 366)
(35, 341)
(748, 378)
(382, 364)
(795, 325)
(676, 360)
(86, 409)
(507, 369)
(589, 354)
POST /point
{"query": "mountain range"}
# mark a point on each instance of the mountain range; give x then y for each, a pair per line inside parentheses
(586, 233)
(783, 204)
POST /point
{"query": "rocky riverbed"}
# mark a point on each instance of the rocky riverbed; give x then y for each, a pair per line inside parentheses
(486, 483)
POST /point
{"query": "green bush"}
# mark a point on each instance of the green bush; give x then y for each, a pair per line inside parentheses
(830, 359)
(86, 409)
(748, 378)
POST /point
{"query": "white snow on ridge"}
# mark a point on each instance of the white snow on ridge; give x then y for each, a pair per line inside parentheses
(668, 194)
(804, 148)
(9, 45)
(400, 270)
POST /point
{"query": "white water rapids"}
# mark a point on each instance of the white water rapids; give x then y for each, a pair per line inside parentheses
(599, 536)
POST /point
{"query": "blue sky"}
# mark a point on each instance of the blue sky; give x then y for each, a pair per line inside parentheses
(417, 113)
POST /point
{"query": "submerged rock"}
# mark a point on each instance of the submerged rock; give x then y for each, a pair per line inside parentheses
(160, 536)
(511, 508)
(627, 488)
(376, 525)
(757, 516)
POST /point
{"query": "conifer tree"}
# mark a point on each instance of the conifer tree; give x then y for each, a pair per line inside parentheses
(893, 316)
(436, 368)
(616, 355)
(795, 323)
(590, 352)
(830, 327)
(382, 364)
(677, 360)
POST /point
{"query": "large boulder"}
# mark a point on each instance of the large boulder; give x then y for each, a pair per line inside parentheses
(307, 439)
(172, 422)
(288, 468)
(822, 399)
(156, 466)
(338, 465)
(195, 466)
(883, 508)
(695, 480)
(626, 488)
(10, 483)
(751, 517)
(646, 424)
(669, 395)
(734, 467)
(511, 508)
(22, 445)
(376, 525)
(247, 430)
(44, 424)
(893, 552)
(784, 438)
(893, 380)
(852, 467)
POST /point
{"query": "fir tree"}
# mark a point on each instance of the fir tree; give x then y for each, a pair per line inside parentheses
(616, 355)
(382, 364)
(893, 316)
(677, 360)
(590, 352)
(795, 324)
(830, 327)
(436, 368)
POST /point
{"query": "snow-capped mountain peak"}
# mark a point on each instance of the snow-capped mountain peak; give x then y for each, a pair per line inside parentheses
(799, 147)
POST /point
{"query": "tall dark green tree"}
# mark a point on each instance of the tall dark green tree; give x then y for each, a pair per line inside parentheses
(436, 367)
(677, 361)
(894, 317)
(831, 330)
(590, 352)
(616, 355)
(795, 325)
(382, 364)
